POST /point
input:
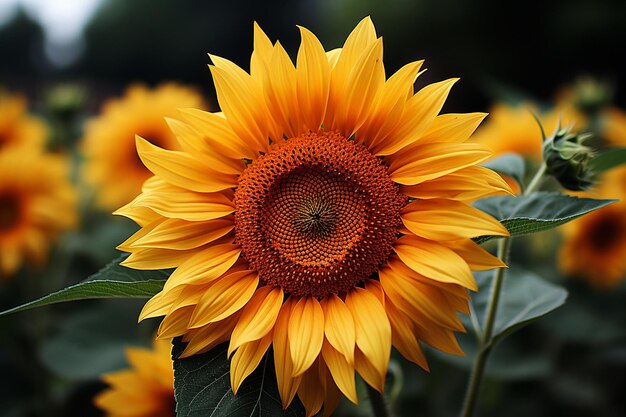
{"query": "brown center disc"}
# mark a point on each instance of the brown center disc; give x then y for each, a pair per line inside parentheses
(317, 214)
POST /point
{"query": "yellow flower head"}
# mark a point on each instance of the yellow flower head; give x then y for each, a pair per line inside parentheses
(594, 246)
(324, 212)
(36, 203)
(17, 128)
(146, 389)
(514, 129)
(112, 166)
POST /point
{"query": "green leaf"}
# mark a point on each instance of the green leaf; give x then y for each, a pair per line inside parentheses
(524, 298)
(101, 331)
(202, 387)
(536, 212)
(608, 159)
(112, 281)
(509, 164)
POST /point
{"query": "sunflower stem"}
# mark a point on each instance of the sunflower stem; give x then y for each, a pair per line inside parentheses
(485, 340)
(380, 407)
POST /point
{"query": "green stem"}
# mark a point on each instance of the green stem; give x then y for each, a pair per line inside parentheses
(380, 408)
(485, 340)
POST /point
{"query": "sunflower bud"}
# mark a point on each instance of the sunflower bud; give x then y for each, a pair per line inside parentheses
(567, 158)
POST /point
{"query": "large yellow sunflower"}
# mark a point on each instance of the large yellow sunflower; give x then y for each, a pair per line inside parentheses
(146, 389)
(324, 212)
(17, 127)
(37, 202)
(112, 166)
(594, 246)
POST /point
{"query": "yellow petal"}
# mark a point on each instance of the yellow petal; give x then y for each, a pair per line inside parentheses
(206, 338)
(241, 99)
(311, 391)
(389, 105)
(306, 333)
(179, 203)
(373, 332)
(218, 133)
(183, 170)
(159, 304)
(368, 371)
(149, 259)
(175, 323)
(403, 336)
(257, 317)
(341, 371)
(313, 80)
(205, 266)
(434, 261)
(229, 294)
(181, 234)
(467, 184)
(339, 326)
(436, 336)
(439, 219)
(283, 365)
(435, 160)
(246, 359)
(193, 142)
(365, 79)
(476, 257)
(419, 113)
(411, 295)
(262, 53)
(452, 127)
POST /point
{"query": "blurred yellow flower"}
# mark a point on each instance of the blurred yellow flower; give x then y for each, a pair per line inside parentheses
(17, 127)
(283, 217)
(146, 389)
(37, 202)
(594, 246)
(514, 129)
(112, 166)
(613, 125)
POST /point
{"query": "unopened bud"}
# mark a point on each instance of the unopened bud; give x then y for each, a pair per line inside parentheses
(568, 159)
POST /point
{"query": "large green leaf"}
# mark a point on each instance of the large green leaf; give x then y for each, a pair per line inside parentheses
(112, 281)
(524, 298)
(608, 159)
(202, 387)
(509, 164)
(536, 212)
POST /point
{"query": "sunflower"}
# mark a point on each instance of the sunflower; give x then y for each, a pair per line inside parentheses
(36, 203)
(594, 246)
(144, 390)
(17, 127)
(112, 166)
(514, 129)
(323, 212)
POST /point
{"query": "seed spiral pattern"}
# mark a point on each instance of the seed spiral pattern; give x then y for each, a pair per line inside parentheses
(317, 214)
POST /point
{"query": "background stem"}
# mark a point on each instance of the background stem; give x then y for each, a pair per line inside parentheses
(380, 408)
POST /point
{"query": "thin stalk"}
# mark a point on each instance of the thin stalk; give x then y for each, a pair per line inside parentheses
(485, 340)
(380, 408)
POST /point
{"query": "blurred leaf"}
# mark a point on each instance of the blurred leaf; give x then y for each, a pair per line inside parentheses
(608, 159)
(536, 212)
(112, 281)
(92, 341)
(202, 387)
(524, 298)
(509, 164)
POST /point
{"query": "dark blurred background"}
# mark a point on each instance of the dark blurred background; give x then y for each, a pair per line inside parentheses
(494, 46)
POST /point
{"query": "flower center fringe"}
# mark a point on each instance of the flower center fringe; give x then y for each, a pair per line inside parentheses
(317, 214)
